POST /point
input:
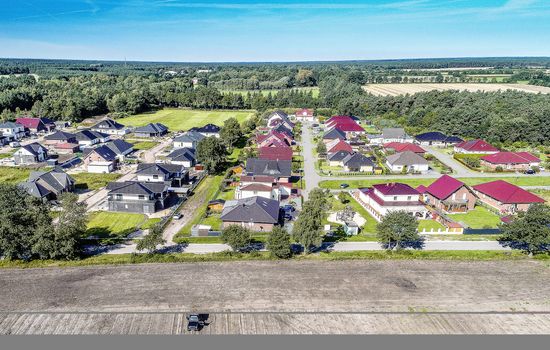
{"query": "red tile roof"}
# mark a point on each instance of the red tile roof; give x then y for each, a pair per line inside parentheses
(511, 158)
(344, 123)
(444, 187)
(341, 145)
(507, 193)
(395, 189)
(274, 153)
(404, 146)
(477, 146)
(304, 112)
(421, 189)
(259, 178)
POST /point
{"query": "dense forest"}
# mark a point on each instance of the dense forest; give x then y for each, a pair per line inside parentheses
(74, 90)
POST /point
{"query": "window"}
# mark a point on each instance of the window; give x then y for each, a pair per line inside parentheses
(409, 198)
(141, 197)
(155, 176)
(395, 198)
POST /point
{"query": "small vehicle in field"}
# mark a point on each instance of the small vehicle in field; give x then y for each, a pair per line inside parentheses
(194, 323)
(177, 216)
(344, 185)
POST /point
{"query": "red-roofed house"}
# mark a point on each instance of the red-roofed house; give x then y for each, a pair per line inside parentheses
(404, 146)
(382, 198)
(510, 160)
(273, 138)
(338, 145)
(346, 124)
(449, 195)
(505, 197)
(304, 114)
(475, 146)
(36, 124)
(274, 153)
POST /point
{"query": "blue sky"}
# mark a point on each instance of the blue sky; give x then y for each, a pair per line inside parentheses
(279, 30)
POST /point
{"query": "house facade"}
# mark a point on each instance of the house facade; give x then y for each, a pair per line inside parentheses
(151, 130)
(407, 162)
(111, 127)
(304, 114)
(506, 198)
(12, 131)
(189, 139)
(137, 197)
(449, 195)
(30, 154)
(513, 161)
(172, 175)
(100, 160)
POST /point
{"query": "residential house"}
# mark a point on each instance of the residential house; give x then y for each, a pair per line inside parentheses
(255, 189)
(304, 114)
(111, 127)
(88, 138)
(398, 147)
(336, 158)
(408, 162)
(30, 154)
(151, 130)
(356, 162)
(384, 198)
(517, 161)
(475, 147)
(282, 189)
(334, 134)
(281, 170)
(36, 124)
(48, 185)
(12, 131)
(189, 139)
(208, 130)
(137, 197)
(275, 153)
(272, 139)
(173, 175)
(505, 197)
(277, 118)
(283, 129)
(449, 195)
(59, 137)
(338, 145)
(182, 156)
(120, 147)
(101, 159)
(66, 148)
(255, 213)
(436, 138)
(346, 124)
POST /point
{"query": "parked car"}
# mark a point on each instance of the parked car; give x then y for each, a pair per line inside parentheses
(15, 144)
(288, 208)
(529, 172)
(344, 185)
(194, 322)
(177, 216)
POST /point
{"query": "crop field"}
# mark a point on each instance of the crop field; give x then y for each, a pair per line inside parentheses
(348, 296)
(184, 119)
(402, 89)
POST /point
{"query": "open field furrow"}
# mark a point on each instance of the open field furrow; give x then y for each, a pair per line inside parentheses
(401, 89)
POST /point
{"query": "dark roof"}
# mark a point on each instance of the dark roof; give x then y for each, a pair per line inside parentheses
(104, 151)
(152, 128)
(190, 136)
(41, 183)
(253, 209)
(35, 189)
(159, 169)
(10, 125)
(277, 168)
(216, 201)
(34, 148)
(182, 154)
(208, 128)
(60, 136)
(119, 146)
(108, 124)
(334, 133)
(88, 134)
(357, 160)
(135, 187)
(437, 136)
(338, 156)
(284, 130)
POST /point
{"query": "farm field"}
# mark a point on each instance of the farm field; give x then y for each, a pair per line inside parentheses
(184, 119)
(402, 89)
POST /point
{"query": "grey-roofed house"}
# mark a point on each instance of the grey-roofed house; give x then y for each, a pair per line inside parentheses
(88, 138)
(334, 134)
(101, 159)
(172, 175)
(111, 127)
(283, 129)
(254, 213)
(137, 197)
(279, 169)
(208, 130)
(120, 147)
(391, 135)
(336, 158)
(277, 118)
(48, 185)
(182, 156)
(358, 162)
(407, 161)
(59, 137)
(30, 154)
(12, 131)
(151, 130)
(189, 139)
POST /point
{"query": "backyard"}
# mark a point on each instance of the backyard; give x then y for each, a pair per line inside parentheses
(92, 181)
(112, 224)
(478, 218)
(184, 119)
(13, 175)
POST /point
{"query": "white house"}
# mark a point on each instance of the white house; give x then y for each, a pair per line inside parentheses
(30, 154)
(391, 135)
(111, 127)
(407, 161)
(188, 140)
(11, 130)
(260, 190)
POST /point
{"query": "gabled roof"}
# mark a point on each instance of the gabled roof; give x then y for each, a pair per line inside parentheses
(119, 146)
(421, 189)
(151, 128)
(334, 133)
(89, 135)
(159, 169)
(281, 128)
(189, 136)
(338, 156)
(395, 189)
(253, 209)
(275, 168)
(42, 183)
(10, 125)
(394, 133)
(103, 151)
(33, 123)
(507, 193)
(256, 187)
(182, 155)
(60, 136)
(444, 187)
(511, 158)
(135, 187)
(34, 148)
(108, 124)
(357, 160)
(274, 153)
(404, 146)
(406, 158)
(280, 118)
(35, 189)
(437, 136)
(334, 120)
(208, 128)
(338, 145)
(477, 146)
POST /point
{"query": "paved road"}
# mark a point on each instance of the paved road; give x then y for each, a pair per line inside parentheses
(311, 177)
(445, 158)
(150, 155)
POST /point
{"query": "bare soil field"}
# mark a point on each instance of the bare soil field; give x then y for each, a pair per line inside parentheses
(281, 297)
(402, 89)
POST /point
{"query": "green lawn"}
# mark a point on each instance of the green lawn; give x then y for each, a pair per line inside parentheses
(109, 224)
(93, 181)
(143, 145)
(480, 217)
(429, 224)
(414, 182)
(13, 175)
(184, 119)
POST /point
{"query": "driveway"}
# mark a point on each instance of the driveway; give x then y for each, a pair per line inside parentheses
(311, 177)
(447, 159)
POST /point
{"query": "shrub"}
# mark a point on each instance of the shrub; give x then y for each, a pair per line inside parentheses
(237, 237)
(278, 243)
(499, 169)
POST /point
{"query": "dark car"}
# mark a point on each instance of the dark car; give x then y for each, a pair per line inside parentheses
(344, 185)
(529, 172)
(194, 323)
(288, 208)
(288, 217)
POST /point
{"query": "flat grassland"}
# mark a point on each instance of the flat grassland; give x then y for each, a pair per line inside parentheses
(13, 175)
(402, 89)
(108, 224)
(184, 119)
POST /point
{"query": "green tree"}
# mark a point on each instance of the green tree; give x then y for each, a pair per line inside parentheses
(211, 153)
(70, 228)
(308, 229)
(278, 243)
(150, 241)
(321, 147)
(231, 132)
(237, 237)
(343, 198)
(530, 231)
(397, 228)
